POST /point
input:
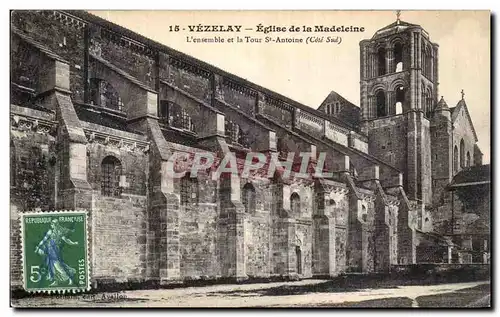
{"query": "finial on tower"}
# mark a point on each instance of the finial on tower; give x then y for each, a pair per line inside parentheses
(398, 14)
(463, 94)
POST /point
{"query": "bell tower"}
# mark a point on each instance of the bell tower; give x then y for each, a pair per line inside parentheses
(399, 89)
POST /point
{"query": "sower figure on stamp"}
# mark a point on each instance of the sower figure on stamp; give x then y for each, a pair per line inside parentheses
(51, 246)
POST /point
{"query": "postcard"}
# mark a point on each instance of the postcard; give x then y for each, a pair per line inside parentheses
(250, 159)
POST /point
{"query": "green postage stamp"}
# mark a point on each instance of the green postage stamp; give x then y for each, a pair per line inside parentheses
(55, 251)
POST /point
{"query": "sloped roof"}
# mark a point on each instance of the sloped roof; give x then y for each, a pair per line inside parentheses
(350, 113)
(456, 110)
(473, 175)
(477, 149)
(395, 27)
(442, 104)
(434, 238)
(86, 16)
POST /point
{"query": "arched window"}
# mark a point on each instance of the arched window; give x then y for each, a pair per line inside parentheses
(462, 153)
(429, 101)
(353, 171)
(398, 57)
(163, 110)
(103, 94)
(400, 99)
(455, 158)
(468, 159)
(179, 118)
(381, 70)
(282, 149)
(248, 198)
(189, 189)
(233, 131)
(380, 98)
(364, 213)
(111, 170)
(427, 61)
(295, 205)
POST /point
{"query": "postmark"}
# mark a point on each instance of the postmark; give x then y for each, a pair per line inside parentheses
(55, 251)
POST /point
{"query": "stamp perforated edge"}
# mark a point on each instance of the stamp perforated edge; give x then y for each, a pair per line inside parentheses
(87, 255)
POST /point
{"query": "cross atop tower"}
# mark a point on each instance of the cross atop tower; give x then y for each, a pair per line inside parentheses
(398, 14)
(463, 94)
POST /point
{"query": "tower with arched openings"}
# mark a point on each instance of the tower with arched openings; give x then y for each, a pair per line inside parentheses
(399, 83)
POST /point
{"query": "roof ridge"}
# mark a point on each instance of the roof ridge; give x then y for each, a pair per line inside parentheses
(89, 17)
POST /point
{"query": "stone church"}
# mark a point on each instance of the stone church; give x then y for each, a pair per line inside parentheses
(97, 110)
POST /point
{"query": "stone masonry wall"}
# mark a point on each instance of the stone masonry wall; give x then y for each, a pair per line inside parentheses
(64, 38)
(199, 250)
(128, 57)
(341, 210)
(188, 78)
(32, 152)
(119, 224)
(388, 141)
(360, 246)
(441, 158)
(240, 97)
(278, 111)
(258, 231)
(134, 166)
(426, 169)
(279, 247)
(32, 185)
(119, 238)
(257, 237)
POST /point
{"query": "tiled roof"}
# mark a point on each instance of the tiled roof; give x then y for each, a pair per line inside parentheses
(442, 104)
(435, 238)
(396, 27)
(473, 175)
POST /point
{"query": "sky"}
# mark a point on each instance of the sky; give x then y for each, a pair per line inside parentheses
(308, 72)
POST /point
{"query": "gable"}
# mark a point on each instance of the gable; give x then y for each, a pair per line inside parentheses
(337, 106)
(460, 117)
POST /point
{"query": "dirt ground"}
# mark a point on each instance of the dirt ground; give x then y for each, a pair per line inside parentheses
(306, 293)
